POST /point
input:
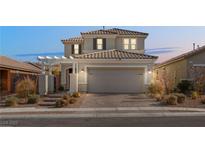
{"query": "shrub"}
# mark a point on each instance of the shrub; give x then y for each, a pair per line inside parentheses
(172, 100)
(155, 89)
(180, 98)
(76, 94)
(72, 100)
(33, 99)
(61, 88)
(158, 97)
(11, 101)
(203, 101)
(194, 95)
(66, 97)
(165, 99)
(61, 103)
(25, 87)
(185, 86)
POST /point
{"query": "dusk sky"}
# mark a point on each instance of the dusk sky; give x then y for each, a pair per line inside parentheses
(26, 43)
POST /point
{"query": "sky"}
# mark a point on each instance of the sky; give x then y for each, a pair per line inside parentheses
(26, 43)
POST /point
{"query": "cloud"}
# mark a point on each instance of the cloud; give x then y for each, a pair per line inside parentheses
(40, 54)
(162, 50)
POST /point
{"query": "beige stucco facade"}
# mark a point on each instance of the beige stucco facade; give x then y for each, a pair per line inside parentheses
(179, 69)
(113, 69)
(112, 42)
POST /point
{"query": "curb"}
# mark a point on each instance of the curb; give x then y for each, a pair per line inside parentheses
(103, 115)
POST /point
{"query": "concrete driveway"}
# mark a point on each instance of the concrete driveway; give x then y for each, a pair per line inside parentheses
(117, 100)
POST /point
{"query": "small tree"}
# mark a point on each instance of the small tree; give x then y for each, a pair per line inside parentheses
(155, 88)
(25, 87)
(166, 81)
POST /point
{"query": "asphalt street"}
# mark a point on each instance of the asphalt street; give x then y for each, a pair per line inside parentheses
(195, 121)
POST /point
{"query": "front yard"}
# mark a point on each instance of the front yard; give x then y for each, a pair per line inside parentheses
(88, 100)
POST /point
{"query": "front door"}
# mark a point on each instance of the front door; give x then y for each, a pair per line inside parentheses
(68, 72)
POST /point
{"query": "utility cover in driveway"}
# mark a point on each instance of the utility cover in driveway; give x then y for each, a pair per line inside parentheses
(115, 80)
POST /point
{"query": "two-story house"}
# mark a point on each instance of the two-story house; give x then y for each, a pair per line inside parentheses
(107, 61)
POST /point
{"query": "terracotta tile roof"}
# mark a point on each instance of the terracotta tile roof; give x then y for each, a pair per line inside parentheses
(114, 31)
(9, 63)
(73, 40)
(126, 32)
(183, 56)
(114, 54)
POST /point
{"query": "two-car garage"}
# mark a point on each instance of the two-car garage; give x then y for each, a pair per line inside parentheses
(115, 80)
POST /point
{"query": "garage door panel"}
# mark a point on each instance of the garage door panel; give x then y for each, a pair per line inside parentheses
(115, 80)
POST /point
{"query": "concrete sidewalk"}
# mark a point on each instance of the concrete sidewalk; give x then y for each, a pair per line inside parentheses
(37, 110)
(15, 113)
(102, 115)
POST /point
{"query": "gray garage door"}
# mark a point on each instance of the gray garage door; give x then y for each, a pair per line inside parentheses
(115, 80)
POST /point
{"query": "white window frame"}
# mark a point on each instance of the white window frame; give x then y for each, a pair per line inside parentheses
(133, 44)
(126, 45)
(99, 45)
(76, 49)
(129, 45)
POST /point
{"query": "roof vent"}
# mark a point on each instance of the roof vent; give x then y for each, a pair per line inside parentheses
(194, 46)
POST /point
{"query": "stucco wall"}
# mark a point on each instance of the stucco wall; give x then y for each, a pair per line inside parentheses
(174, 72)
(112, 42)
(67, 50)
(196, 59)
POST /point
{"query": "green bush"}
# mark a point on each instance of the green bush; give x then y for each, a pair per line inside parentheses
(25, 87)
(33, 99)
(76, 94)
(185, 86)
(172, 100)
(12, 101)
(155, 89)
(181, 98)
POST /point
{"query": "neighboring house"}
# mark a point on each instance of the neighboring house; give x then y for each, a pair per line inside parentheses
(12, 71)
(105, 61)
(188, 66)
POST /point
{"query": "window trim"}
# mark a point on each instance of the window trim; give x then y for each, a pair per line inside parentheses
(126, 44)
(133, 44)
(130, 44)
(99, 44)
(76, 49)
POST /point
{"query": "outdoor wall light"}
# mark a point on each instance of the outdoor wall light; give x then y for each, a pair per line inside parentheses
(82, 70)
(150, 72)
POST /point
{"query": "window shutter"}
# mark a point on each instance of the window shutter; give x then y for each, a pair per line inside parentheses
(72, 49)
(94, 44)
(80, 48)
(104, 44)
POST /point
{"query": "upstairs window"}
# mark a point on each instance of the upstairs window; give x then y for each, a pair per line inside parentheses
(126, 43)
(76, 48)
(99, 44)
(133, 44)
(129, 43)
